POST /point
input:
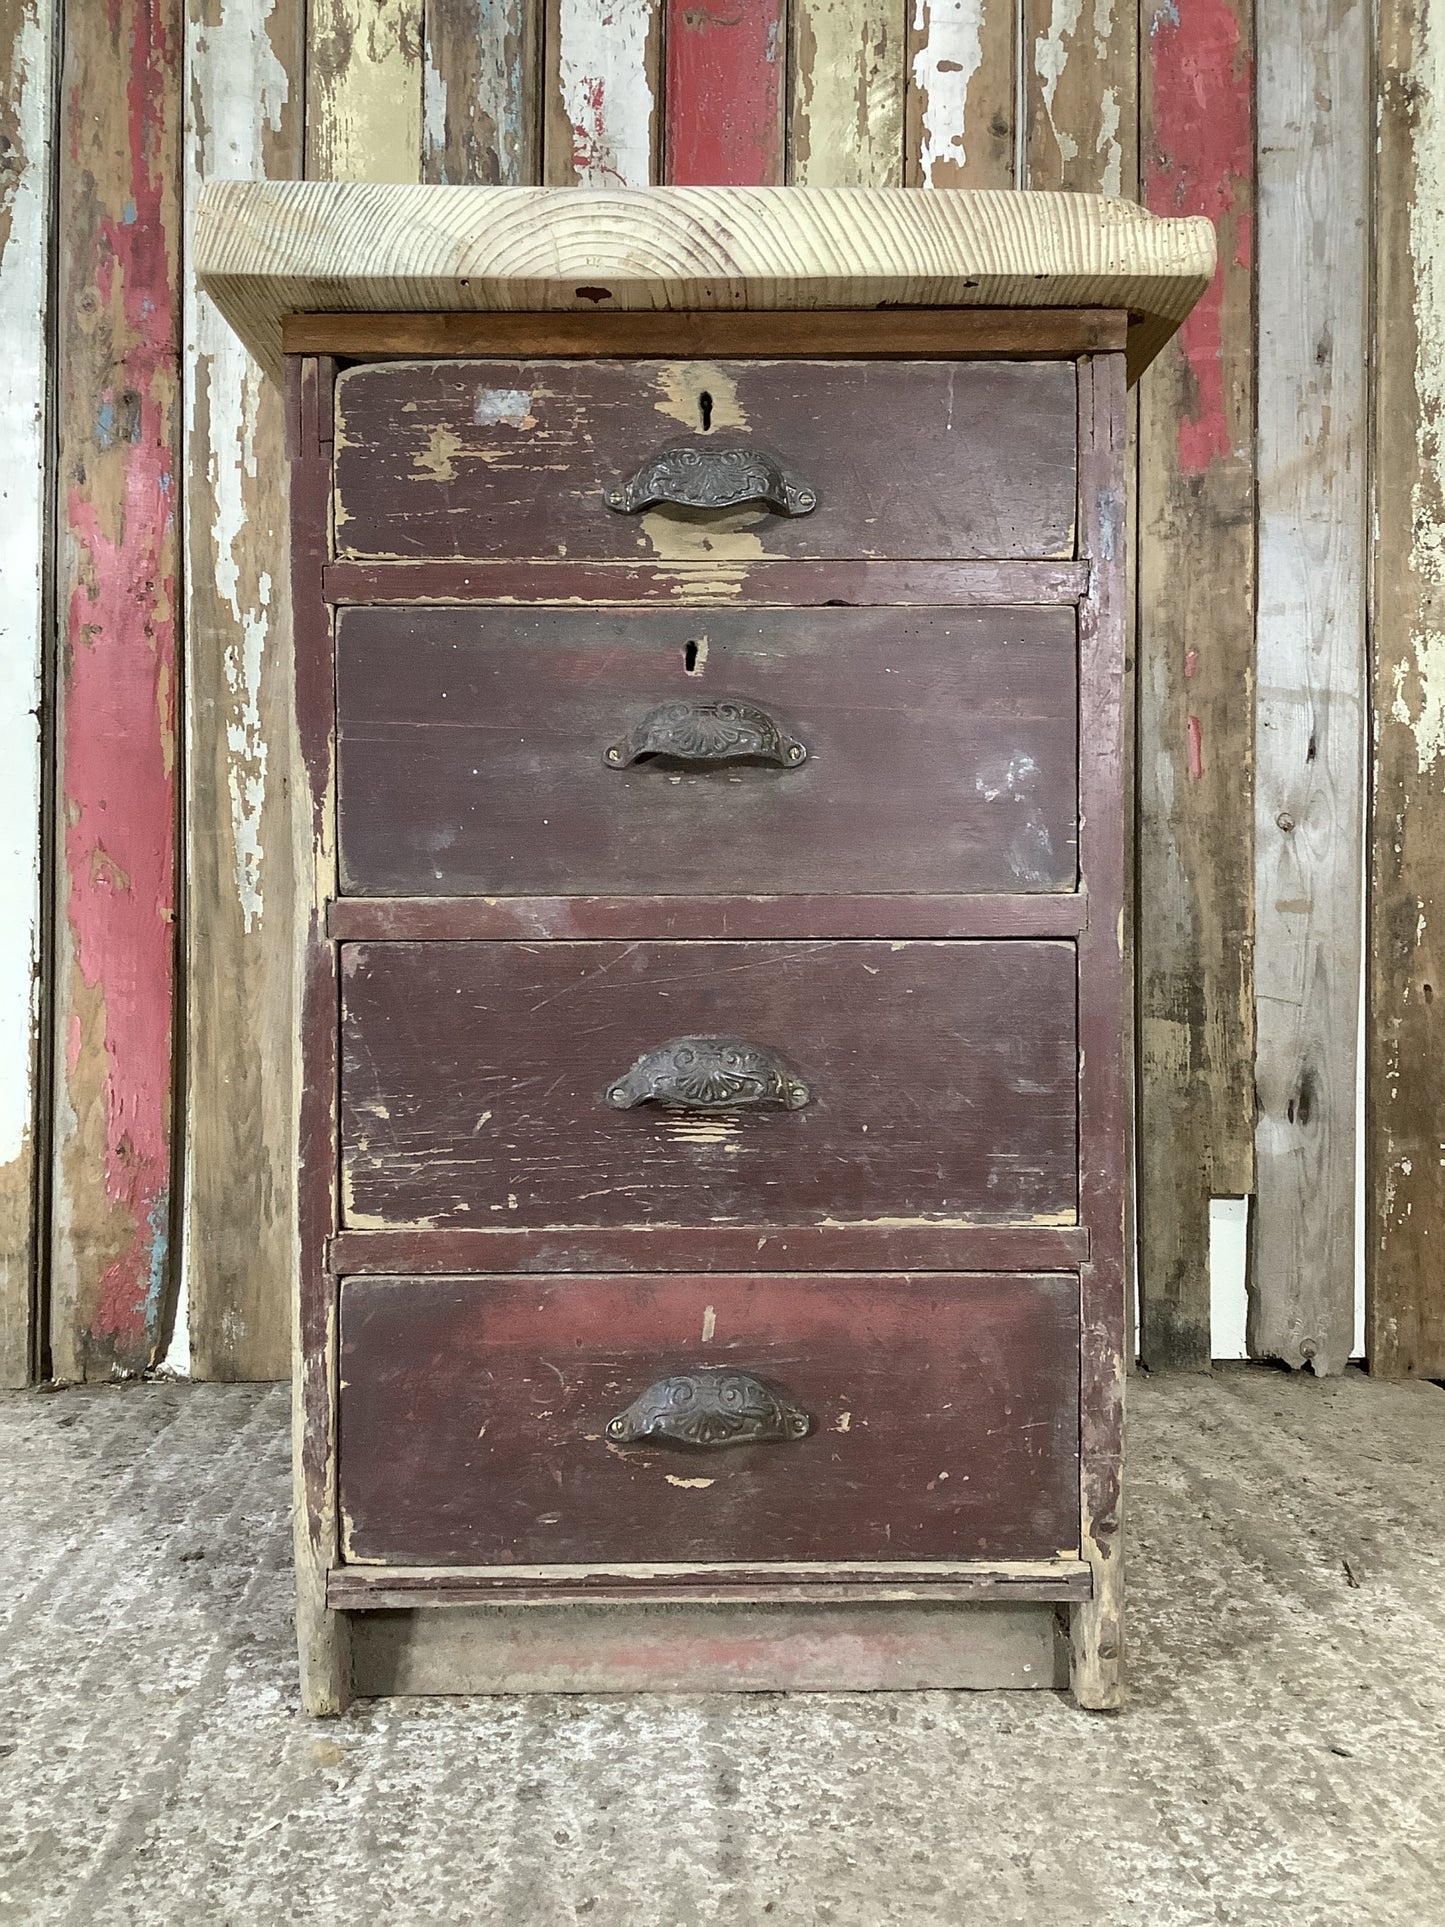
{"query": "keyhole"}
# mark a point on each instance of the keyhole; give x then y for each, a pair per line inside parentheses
(689, 659)
(704, 409)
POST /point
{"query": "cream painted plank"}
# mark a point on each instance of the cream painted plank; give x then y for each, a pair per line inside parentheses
(244, 61)
(27, 126)
(364, 90)
(845, 118)
(1313, 103)
(962, 98)
(266, 249)
(602, 119)
(1405, 1093)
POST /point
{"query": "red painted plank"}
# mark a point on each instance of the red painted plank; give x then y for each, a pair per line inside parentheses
(724, 99)
(1201, 161)
(119, 360)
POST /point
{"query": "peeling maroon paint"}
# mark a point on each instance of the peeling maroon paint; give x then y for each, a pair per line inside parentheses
(725, 64)
(118, 691)
(1202, 154)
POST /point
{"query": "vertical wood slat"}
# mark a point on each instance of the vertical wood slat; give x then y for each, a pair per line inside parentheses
(845, 116)
(26, 126)
(243, 86)
(602, 116)
(118, 225)
(726, 66)
(1081, 101)
(481, 93)
(1196, 684)
(961, 100)
(1080, 86)
(364, 90)
(1405, 1095)
(1314, 174)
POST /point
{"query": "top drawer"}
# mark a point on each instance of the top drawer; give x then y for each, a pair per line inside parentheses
(933, 460)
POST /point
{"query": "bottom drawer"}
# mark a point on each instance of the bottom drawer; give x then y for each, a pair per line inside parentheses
(942, 1419)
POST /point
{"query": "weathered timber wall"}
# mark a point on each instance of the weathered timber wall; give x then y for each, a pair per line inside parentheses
(1255, 457)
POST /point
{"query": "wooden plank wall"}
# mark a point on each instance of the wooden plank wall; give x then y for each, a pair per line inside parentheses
(27, 129)
(1254, 457)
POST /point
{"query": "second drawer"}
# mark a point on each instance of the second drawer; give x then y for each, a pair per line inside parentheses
(549, 752)
(541, 1085)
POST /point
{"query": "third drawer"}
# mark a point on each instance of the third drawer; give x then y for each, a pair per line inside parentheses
(537, 1085)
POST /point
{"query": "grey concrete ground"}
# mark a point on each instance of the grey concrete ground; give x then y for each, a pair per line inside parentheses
(1283, 1759)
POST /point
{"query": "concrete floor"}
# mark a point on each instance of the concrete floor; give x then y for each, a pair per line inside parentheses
(1283, 1759)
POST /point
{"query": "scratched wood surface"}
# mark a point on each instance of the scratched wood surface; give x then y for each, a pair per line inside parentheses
(472, 749)
(244, 93)
(502, 459)
(118, 225)
(1196, 680)
(961, 93)
(1405, 1104)
(602, 93)
(1314, 147)
(944, 1419)
(27, 54)
(941, 1082)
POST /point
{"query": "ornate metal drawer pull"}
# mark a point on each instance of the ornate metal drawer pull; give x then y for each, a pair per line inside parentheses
(707, 732)
(712, 475)
(710, 1074)
(710, 1409)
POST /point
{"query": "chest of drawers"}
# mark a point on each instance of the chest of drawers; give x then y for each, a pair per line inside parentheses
(712, 1266)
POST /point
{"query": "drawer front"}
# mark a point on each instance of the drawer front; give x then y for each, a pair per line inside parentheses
(939, 1079)
(470, 460)
(936, 751)
(942, 1419)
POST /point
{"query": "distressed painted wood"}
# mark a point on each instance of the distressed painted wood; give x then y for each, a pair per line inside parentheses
(1405, 1100)
(364, 90)
(118, 226)
(726, 66)
(243, 84)
(602, 93)
(712, 1648)
(940, 1082)
(943, 1419)
(27, 54)
(465, 460)
(471, 751)
(845, 115)
(268, 249)
(1080, 84)
(322, 1635)
(481, 92)
(1313, 102)
(961, 97)
(1196, 685)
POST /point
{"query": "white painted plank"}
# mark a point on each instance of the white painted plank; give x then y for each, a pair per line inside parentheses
(603, 121)
(26, 117)
(242, 78)
(1314, 172)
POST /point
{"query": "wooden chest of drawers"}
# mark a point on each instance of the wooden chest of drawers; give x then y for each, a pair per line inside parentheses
(713, 1114)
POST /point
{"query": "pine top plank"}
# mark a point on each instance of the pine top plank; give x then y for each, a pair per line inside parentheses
(266, 249)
